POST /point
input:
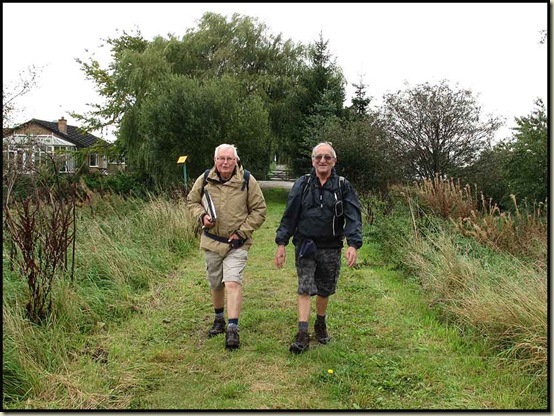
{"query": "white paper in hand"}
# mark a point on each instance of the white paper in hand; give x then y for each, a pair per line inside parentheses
(209, 206)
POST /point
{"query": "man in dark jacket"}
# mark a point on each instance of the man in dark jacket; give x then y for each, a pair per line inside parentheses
(322, 209)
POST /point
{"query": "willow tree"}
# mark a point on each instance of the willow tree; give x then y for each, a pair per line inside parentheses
(258, 67)
(189, 117)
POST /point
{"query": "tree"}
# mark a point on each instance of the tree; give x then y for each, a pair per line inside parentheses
(318, 101)
(260, 69)
(364, 155)
(527, 167)
(265, 64)
(436, 129)
(28, 79)
(360, 103)
(189, 117)
(488, 174)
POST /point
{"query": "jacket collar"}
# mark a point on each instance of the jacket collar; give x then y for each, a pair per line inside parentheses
(237, 176)
(331, 177)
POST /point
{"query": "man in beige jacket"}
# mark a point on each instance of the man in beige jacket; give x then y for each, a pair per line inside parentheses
(241, 209)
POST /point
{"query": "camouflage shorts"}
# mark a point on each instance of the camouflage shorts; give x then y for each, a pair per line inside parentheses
(319, 275)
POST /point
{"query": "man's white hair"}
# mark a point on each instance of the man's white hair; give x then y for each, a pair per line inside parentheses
(226, 146)
(317, 146)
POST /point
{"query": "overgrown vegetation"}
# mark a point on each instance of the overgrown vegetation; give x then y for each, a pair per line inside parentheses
(131, 327)
(485, 270)
(40, 231)
(124, 247)
(274, 98)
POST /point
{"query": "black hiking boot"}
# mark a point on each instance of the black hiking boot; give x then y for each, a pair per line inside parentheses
(217, 328)
(321, 333)
(232, 341)
(301, 343)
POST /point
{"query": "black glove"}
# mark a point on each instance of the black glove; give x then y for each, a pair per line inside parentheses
(237, 243)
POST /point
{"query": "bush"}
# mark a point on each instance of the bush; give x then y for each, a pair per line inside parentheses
(121, 183)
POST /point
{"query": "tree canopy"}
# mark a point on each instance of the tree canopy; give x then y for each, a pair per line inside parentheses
(317, 103)
(224, 81)
(527, 166)
(436, 129)
(230, 80)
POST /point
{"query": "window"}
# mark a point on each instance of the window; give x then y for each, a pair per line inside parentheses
(93, 160)
(64, 159)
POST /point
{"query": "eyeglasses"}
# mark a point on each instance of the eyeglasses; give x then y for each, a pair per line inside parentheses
(327, 157)
(225, 159)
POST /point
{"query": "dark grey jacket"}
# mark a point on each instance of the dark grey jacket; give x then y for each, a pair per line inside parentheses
(310, 213)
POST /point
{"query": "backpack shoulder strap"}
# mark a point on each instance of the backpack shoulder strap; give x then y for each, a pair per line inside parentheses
(341, 185)
(246, 180)
(307, 178)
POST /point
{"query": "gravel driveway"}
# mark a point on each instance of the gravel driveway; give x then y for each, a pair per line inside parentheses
(276, 184)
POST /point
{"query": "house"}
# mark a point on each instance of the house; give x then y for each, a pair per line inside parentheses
(35, 140)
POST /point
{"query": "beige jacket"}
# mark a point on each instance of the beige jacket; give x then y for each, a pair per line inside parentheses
(238, 211)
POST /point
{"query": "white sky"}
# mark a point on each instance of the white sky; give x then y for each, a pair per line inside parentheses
(492, 49)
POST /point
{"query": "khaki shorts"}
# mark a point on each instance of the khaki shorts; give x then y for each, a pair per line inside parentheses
(228, 268)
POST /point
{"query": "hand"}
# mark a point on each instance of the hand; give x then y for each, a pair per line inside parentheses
(207, 221)
(234, 236)
(280, 256)
(351, 256)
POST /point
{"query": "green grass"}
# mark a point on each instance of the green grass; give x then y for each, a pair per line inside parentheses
(389, 349)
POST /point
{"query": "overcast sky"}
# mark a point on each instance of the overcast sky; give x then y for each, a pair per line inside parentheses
(492, 49)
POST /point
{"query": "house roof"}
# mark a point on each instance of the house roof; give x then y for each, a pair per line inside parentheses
(74, 134)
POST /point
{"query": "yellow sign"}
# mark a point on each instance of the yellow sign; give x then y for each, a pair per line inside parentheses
(182, 159)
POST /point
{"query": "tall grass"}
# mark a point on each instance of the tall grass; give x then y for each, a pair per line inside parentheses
(484, 270)
(123, 247)
(496, 295)
(447, 197)
(523, 233)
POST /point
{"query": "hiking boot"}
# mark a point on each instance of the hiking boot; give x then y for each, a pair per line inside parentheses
(217, 328)
(232, 341)
(321, 333)
(301, 343)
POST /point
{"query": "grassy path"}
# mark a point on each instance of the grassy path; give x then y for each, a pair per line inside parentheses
(388, 350)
